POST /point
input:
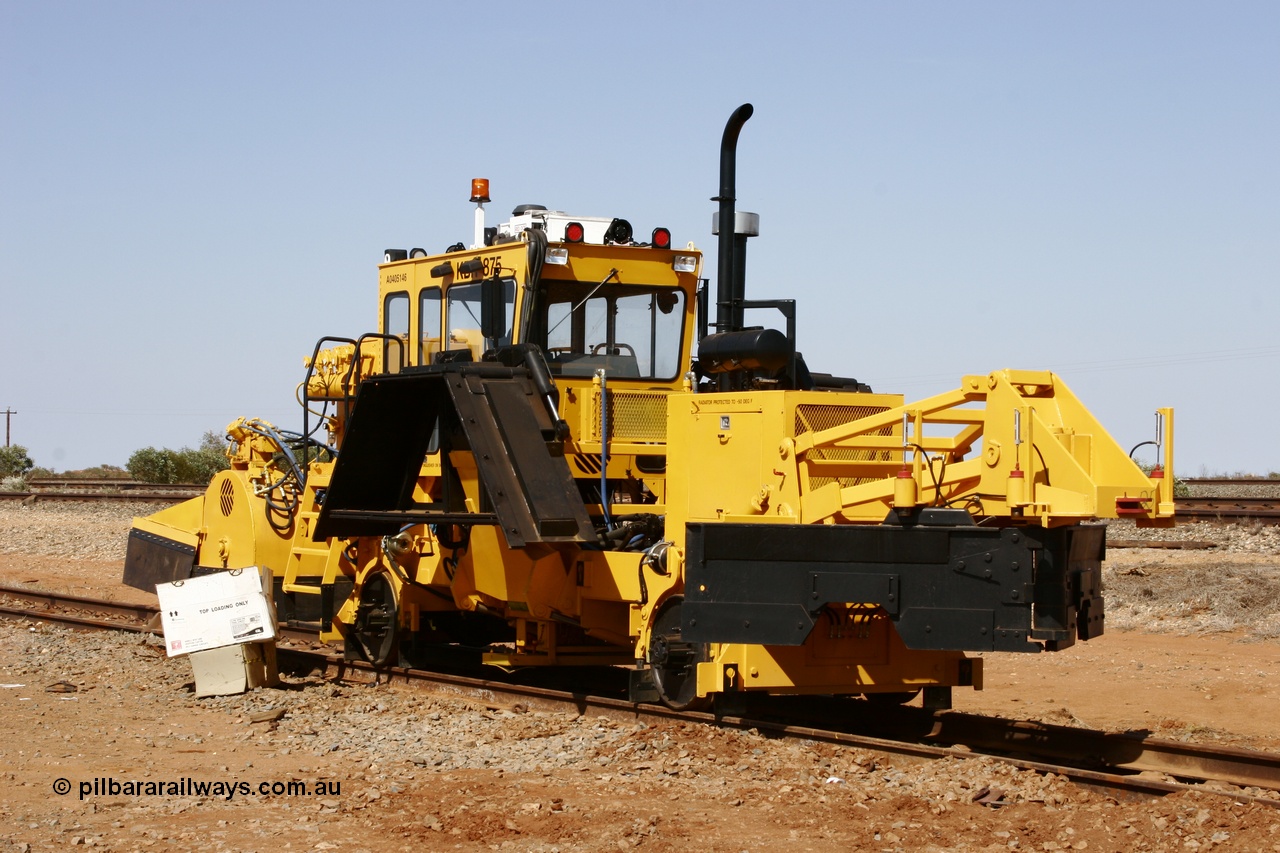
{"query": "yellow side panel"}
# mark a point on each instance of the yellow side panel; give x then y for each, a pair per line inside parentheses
(878, 662)
(610, 575)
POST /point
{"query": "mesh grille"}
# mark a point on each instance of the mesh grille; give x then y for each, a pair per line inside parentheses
(633, 416)
(811, 417)
(815, 418)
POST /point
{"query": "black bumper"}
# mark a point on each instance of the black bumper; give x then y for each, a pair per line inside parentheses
(946, 586)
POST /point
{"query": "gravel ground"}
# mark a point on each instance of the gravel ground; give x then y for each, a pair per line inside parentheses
(92, 530)
(437, 735)
(1233, 586)
(417, 772)
(421, 772)
(1269, 488)
(1249, 537)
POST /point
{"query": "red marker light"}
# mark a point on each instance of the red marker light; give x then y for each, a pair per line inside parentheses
(661, 238)
(574, 232)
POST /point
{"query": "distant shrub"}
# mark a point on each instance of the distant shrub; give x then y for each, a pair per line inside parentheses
(14, 461)
(13, 484)
(152, 465)
(98, 472)
(188, 465)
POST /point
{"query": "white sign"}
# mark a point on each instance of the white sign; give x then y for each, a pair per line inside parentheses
(211, 611)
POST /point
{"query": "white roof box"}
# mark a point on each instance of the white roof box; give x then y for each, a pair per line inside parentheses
(552, 222)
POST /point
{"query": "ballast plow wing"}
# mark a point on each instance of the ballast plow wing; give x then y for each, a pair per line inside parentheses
(493, 412)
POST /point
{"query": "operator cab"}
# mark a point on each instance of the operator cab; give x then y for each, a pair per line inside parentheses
(582, 289)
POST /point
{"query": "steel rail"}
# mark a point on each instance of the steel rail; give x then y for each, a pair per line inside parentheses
(985, 738)
(50, 600)
(498, 695)
(124, 483)
(68, 619)
(1215, 503)
(1113, 750)
(1263, 510)
(1232, 481)
(64, 484)
(91, 497)
(107, 488)
(1266, 510)
(147, 614)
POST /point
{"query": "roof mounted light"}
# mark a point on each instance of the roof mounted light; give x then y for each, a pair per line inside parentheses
(619, 231)
(684, 263)
(557, 255)
(479, 195)
(417, 253)
(574, 232)
(661, 238)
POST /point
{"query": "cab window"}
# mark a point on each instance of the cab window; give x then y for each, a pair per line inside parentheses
(395, 321)
(632, 332)
(429, 324)
(462, 318)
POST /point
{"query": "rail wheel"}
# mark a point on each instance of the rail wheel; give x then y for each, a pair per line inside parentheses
(675, 662)
(376, 621)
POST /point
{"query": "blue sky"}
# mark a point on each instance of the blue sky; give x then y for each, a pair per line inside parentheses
(192, 194)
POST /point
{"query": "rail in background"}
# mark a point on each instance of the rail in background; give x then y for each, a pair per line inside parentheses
(1263, 510)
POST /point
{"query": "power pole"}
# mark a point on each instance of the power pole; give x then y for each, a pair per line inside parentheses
(8, 413)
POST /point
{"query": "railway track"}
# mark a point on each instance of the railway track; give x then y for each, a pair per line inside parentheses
(1232, 482)
(1262, 509)
(62, 608)
(1266, 510)
(1120, 764)
(111, 484)
(92, 497)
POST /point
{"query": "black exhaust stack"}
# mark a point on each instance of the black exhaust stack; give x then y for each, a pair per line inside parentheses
(729, 280)
(736, 357)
